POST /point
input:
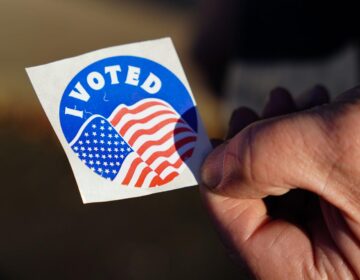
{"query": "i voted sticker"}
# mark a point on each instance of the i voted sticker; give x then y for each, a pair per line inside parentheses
(126, 118)
(131, 119)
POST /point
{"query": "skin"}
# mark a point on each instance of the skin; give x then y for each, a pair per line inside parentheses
(284, 190)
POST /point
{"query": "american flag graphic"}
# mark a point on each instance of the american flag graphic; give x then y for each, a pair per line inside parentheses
(143, 145)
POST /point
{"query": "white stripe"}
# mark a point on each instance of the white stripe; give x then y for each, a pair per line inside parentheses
(157, 148)
(83, 127)
(171, 159)
(125, 167)
(179, 153)
(141, 115)
(141, 166)
(148, 179)
(163, 147)
(174, 157)
(188, 146)
(148, 125)
(171, 169)
(118, 108)
(143, 139)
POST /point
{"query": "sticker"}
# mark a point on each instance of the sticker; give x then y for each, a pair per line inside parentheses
(126, 118)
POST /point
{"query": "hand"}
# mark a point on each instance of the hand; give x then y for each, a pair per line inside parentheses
(284, 192)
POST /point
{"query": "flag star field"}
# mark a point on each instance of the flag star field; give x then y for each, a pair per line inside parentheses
(101, 148)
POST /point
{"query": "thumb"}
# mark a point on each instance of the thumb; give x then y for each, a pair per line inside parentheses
(273, 156)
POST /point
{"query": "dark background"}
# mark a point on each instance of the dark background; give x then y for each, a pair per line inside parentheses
(47, 233)
(45, 230)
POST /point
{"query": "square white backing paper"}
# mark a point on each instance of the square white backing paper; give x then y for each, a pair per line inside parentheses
(50, 81)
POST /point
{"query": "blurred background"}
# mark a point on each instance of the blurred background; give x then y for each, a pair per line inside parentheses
(233, 52)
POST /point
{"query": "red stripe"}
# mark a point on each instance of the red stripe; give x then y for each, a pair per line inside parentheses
(116, 119)
(152, 144)
(142, 176)
(162, 140)
(131, 170)
(154, 182)
(177, 164)
(187, 154)
(171, 150)
(130, 123)
(136, 162)
(151, 130)
(157, 181)
(166, 164)
(169, 177)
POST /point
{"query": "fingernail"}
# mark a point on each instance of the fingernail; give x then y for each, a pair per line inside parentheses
(212, 169)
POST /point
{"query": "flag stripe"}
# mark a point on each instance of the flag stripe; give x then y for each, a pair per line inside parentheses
(171, 159)
(169, 170)
(166, 164)
(140, 169)
(131, 170)
(148, 125)
(169, 128)
(150, 131)
(170, 135)
(168, 148)
(132, 110)
(145, 172)
(126, 166)
(161, 141)
(148, 111)
(165, 153)
(144, 120)
(159, 181)
(177, 164)
(149, 179)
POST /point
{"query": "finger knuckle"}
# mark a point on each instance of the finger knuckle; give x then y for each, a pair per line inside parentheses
(262, 150)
